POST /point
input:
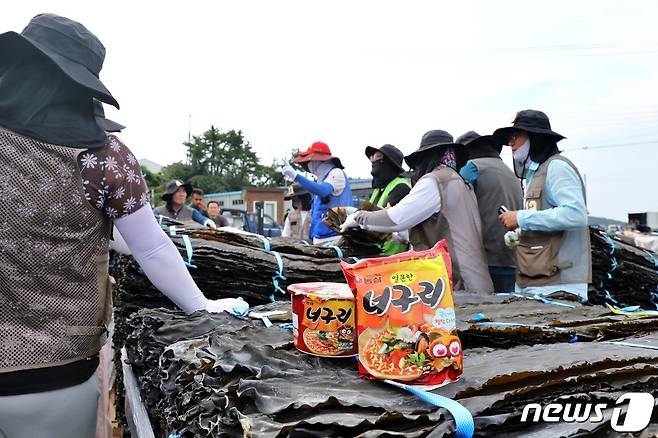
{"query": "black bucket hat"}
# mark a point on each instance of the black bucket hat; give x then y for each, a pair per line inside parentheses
(472, 139)
(431, 142)
(106, 125)
(532, 121)
(393, 154)
(172, 186)
(76, 51)
(295, 190)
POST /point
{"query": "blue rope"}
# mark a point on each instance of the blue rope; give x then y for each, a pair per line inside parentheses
(339, 251)
(266, 243)
(613, 266)
(465, 426)
(188, 249)
(631, 344)
(279, 273)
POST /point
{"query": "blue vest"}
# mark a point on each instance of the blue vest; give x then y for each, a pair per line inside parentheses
(319, 208)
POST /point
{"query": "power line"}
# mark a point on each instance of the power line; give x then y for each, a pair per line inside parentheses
(611, 146)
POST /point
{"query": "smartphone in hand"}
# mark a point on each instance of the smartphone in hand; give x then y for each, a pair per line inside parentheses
(502, 209)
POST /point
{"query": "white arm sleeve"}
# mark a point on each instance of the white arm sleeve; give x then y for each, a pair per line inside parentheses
(420, 204)
(160, 259)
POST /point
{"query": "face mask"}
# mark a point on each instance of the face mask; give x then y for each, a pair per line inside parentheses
(313, 166)
(521, 154)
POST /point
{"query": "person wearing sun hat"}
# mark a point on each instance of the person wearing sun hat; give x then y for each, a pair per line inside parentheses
(388, 184)
(298, 222)
(331, 188)
(176, 192)
(441, 205)
(553, 253)
(495, 186)
(54, 284)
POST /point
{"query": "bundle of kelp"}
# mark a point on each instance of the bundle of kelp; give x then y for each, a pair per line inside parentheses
(279, 244)
(356, 241)
(622, 274)
(222, 376)
(224, 270)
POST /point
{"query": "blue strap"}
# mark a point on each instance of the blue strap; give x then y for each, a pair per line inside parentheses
(339, 251)
(266, 243)
(465, 426)
(517, 324)
(535, 297)
(188, 249)
(286, 326)
(278, 275)
(632, 344)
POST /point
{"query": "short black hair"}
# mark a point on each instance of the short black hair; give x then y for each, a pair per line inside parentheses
(212, 202)
(197, 192)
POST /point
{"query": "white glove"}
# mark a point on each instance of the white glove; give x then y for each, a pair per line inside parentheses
(350, 222)
(512, 239)
(209, 223)
(400, 237)
(236, 306)
(288, 171)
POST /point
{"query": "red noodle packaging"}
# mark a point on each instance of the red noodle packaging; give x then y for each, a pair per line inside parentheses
(405, 317)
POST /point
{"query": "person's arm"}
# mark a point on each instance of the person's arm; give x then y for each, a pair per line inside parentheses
(565, 190)
(320, 189)
(158, 257)
(419, 205)
(469, 172)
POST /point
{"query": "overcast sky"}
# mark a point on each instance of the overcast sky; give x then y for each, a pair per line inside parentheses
(358, 73)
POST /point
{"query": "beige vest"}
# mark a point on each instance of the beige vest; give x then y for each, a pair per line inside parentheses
(458, 222)
(546, 259)
(496, 185)
(299, 228)
(55, 295)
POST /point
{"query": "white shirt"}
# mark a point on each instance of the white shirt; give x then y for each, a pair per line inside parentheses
(287, 229)
(420, 204)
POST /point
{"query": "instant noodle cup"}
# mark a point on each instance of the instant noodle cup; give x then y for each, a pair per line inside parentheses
(405, 316)
(323, 319)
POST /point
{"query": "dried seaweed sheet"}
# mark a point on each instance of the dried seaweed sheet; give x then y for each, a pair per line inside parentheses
(242, 379)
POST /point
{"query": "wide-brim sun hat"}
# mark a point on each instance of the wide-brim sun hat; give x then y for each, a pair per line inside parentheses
(172, 186)
(318, 151)
(69, 45)
(393, 154)
(533, 121)
(433, 142)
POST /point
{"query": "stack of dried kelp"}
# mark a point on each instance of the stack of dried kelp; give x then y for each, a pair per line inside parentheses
(622, 274)
(219, 375)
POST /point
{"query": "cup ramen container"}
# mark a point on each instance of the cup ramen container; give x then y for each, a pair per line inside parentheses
(323, 319)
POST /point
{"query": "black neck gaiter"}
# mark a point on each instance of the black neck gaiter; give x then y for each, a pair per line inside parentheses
(383, 172)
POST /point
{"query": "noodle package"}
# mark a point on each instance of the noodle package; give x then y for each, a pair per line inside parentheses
(405, 317)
